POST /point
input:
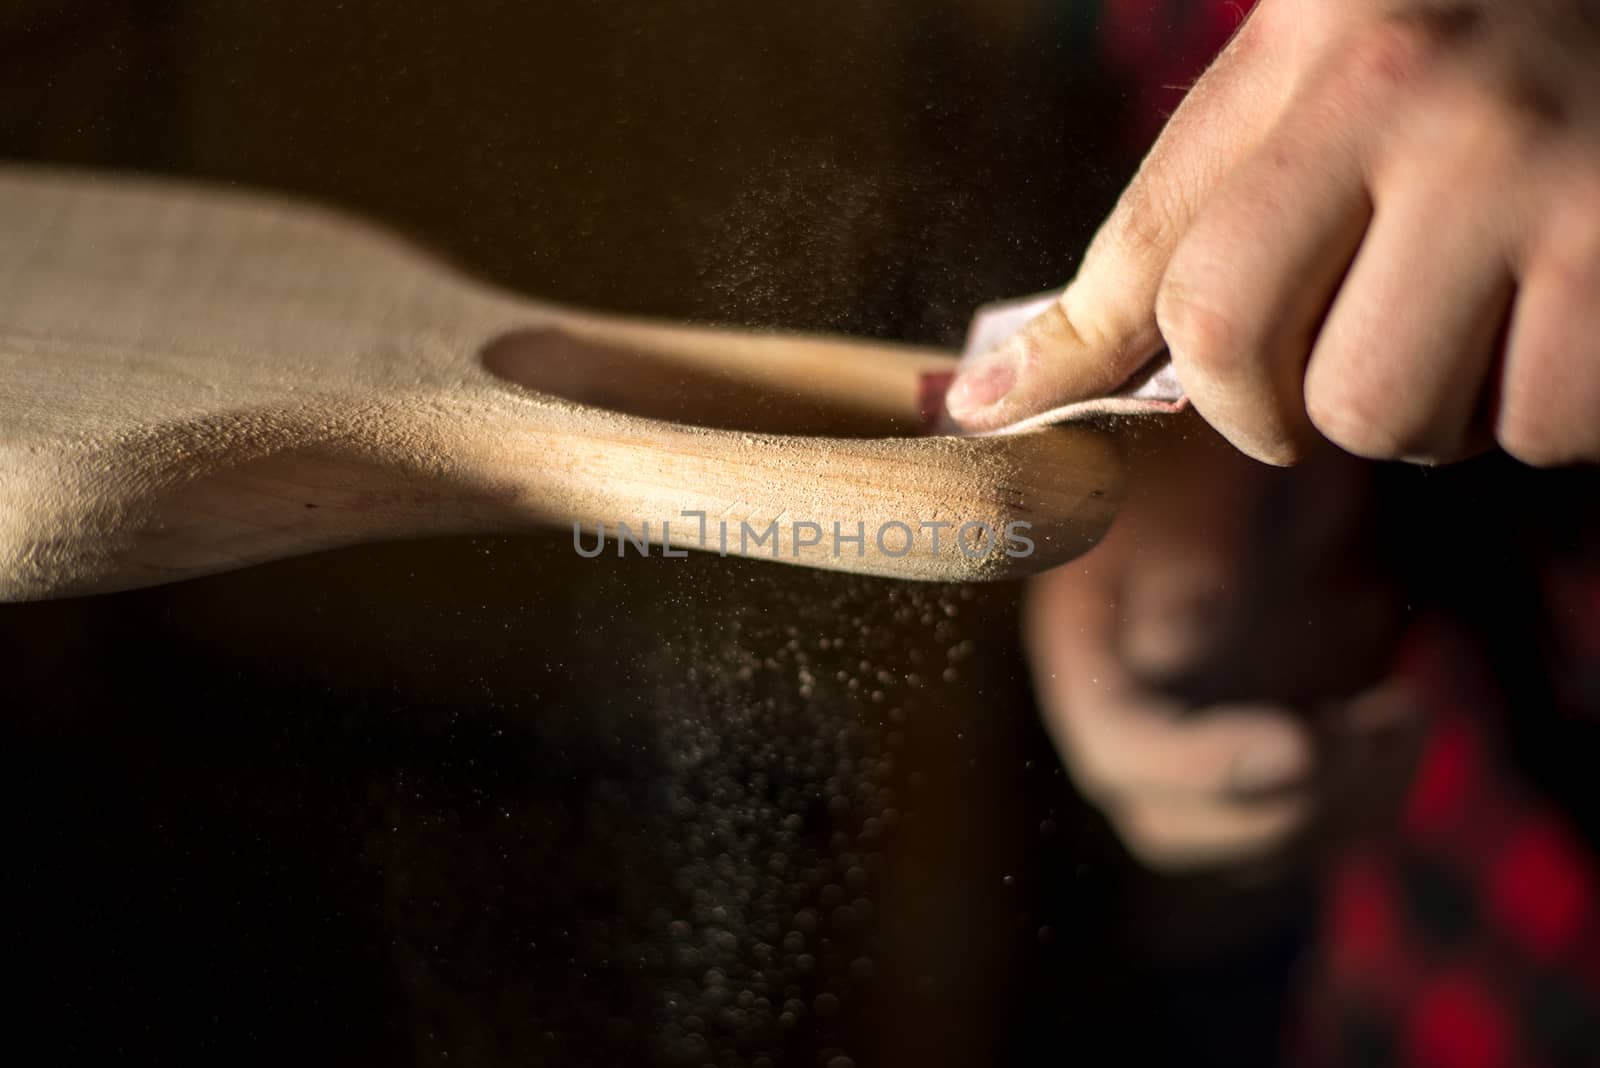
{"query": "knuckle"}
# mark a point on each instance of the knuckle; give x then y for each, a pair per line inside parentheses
(1401, 49)
(1539, 441)
(1201, 333)
(1357, 424)
(1474, 126)
(1145, 225)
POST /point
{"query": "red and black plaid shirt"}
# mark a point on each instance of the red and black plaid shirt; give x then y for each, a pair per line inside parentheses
(1468, 934)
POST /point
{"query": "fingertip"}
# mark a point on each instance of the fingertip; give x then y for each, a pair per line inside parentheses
(975, 397)
(997, 387)
(1047, 364)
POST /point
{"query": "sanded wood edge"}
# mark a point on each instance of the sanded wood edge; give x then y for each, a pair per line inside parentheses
(262, 485)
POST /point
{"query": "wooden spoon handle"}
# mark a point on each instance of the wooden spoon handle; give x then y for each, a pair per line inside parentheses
(487, 459)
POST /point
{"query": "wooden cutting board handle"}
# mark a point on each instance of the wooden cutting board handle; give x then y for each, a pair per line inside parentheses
(194, 380)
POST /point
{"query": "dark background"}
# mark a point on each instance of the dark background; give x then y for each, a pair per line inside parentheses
(477, 802)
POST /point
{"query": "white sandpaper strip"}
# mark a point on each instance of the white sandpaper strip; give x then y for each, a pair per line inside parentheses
(1154, 389)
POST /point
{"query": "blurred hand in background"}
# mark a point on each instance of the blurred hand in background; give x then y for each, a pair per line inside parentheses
(1216, 675)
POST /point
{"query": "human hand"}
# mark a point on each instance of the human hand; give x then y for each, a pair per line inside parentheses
(1216, 679)
(1374, 220)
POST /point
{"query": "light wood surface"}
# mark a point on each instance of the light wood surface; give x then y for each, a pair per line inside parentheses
(193, 380)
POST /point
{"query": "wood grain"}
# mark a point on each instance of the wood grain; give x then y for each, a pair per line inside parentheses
(193, 380)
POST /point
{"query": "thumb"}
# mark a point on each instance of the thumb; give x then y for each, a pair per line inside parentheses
(1103, 327)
